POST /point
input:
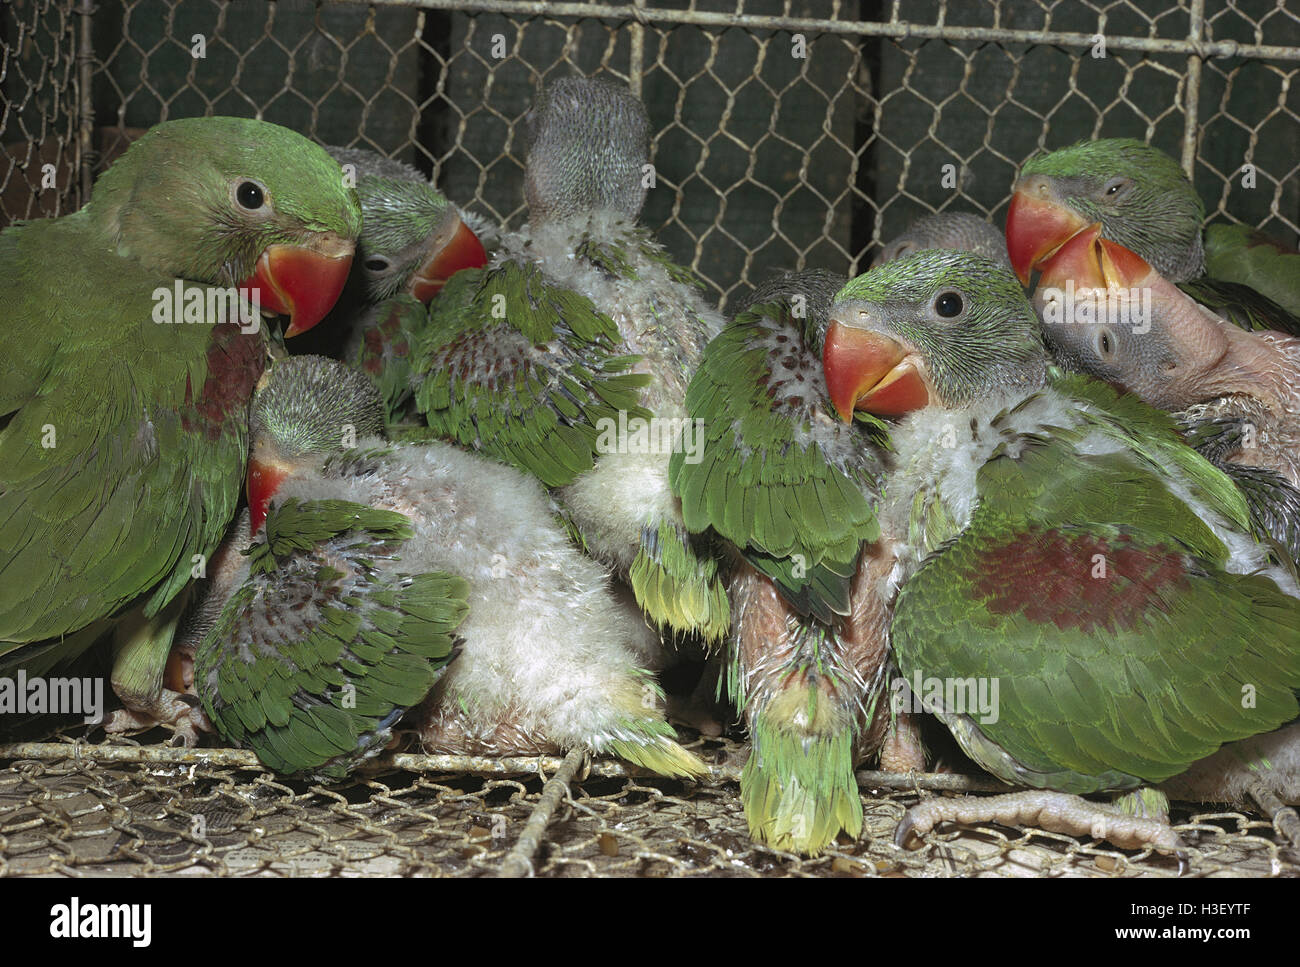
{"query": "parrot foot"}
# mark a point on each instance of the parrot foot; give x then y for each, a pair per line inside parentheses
(1053, 811)
(178, 710)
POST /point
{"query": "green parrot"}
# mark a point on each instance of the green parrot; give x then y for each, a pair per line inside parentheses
(569, 356)
(323, 695)
(312, 648)
(127, 361)
(794, 492)
(1145, 202)
(368, 558)
(1236, 393)
(412, 240)
(1081, 599)
(963, 231)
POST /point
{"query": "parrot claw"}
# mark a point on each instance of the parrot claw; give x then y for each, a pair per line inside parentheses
(1053, 811)
(179, 710)
(905, 829)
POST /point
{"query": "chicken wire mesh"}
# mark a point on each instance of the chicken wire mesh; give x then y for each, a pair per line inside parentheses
(68, 808)
(789, 134)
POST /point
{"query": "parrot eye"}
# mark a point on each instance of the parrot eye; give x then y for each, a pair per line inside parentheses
(1105, 343)
(948, 305)
(250, 196)
(1115, 188)
(376, 264)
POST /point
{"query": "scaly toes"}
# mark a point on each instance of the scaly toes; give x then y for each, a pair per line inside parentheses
(1053, 811)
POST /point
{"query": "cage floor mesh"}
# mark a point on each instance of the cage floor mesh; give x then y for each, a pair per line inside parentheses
(74, 812)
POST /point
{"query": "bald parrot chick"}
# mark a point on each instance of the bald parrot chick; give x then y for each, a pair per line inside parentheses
(1144, 202)
(370, 559)
(569, 356)
(127, 359)
(959, 231)
(1108, 313)
(793, 491)
(412, 241)
(1061, 543)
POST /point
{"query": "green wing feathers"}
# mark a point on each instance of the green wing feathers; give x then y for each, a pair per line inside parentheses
(677, 586)
(381, 348)
(791, 487)
(523, 370)
(101, 449)
(1241, 255)
(320, 652)
(1100, 604)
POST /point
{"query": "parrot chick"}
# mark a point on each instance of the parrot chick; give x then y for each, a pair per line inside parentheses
(412, 238)
(959, 231)
(1108, 313)
(127, 360)
(545, 659)
(793, 492)
(1144, 202)
(412, 241)
(1061, 542)
(569, 356)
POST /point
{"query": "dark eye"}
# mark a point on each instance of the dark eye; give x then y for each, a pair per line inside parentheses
(250, 196)
(1105, 344)
(376, 264)
(1115, 187)
(949, 304)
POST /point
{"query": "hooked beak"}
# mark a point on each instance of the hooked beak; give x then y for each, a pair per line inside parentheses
(1093, 262)
(463, 251)
(867, 370)
(302, 281)
(1037, 225)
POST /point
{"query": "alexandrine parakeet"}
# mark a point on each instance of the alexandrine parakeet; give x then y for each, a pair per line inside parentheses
(1146, 203)
(368, 557)
(413, 239)
(1236, 393)
(1063, 542)
(569, 355)
(793, 491)
(126, 367)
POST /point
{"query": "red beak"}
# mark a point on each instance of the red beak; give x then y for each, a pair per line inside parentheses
(869, 371)
(1093, 262)
(264, 480)
(1036, 226)
(464, 251)
(302, 281)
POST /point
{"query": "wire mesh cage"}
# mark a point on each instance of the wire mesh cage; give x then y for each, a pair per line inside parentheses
(787, 134)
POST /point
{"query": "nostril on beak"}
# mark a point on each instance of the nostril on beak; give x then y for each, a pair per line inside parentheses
(1038, 186)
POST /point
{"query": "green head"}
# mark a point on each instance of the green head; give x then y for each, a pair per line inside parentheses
(201, 198)
(1139, 194)
(306, 408)
(588, 143)
(932, 328)
(231, 201)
